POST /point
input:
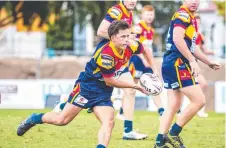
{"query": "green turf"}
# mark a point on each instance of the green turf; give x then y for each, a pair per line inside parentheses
(81, 133)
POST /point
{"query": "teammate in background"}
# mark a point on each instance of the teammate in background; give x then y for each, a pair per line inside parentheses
(121, 11)
(94, 87)
(180, 71)
(137, 65)
(200, 46)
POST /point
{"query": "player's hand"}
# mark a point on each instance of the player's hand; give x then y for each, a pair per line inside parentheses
(195, 70)
(141, 89)
(214, 65)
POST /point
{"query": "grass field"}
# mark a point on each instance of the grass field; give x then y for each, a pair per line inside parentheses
(81, 133)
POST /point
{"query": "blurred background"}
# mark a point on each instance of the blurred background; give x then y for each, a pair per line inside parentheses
(44, 45)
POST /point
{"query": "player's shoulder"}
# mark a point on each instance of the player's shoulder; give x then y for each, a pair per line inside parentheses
(106, 58)
(183, 15)
(115, 12)
(134, 45)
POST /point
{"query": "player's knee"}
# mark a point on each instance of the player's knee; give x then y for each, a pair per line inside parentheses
(201, 101)
(175, 106)
(204, 85)
(129, 92)
(109, 124)
(62, 121)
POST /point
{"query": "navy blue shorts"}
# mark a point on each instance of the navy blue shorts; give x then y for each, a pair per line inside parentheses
(137, 67)
(88, 93)
(177, 74)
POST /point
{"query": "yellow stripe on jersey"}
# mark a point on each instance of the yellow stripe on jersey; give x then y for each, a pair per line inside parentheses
(115, 13)
(96, 70)
(115, 51)
(142, 39)
(145, 26)
(105, 61)
(183, 16)
(190, 32)
(125, 11)
(134, 46)
(192, 77)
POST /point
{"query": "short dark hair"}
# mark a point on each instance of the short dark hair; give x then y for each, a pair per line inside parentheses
(116, 26)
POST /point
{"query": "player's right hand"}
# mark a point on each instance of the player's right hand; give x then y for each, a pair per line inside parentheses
(195, 70)
(214, 65)
(141, 89)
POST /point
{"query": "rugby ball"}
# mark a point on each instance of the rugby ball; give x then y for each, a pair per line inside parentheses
(151, 83)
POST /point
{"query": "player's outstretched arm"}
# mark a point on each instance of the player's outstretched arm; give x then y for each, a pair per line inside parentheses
(178, 39)
(103, 29)
(202, 57)
(122, 84)
(150, 59)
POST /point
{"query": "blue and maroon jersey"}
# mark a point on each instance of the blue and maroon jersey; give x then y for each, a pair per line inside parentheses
(145, 34)
(119, 12)
(182, 18)
(107, 62)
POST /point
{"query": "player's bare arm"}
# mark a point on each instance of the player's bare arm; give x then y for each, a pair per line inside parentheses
(150, 60)
(178, 39)
(103, 29)
(111, 81)
(202, 57)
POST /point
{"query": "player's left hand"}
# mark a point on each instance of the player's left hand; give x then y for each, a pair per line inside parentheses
(214, 65)
(141, 89)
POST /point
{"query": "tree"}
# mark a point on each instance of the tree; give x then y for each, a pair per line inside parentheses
(221, 6)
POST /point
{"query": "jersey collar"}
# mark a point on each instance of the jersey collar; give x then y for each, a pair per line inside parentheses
(115, 50)
(125, 11)
(145, 25)
(186, 9)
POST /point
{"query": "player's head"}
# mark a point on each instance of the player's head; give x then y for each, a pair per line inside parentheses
(192, 5)
(198, 19)
(129, 4)
(148, 14)
(119, 32)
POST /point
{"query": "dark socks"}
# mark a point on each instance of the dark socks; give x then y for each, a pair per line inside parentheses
(121, 111)
(160, 111)
(160, 140)
(128, 126)
(100, 146)
(175, 130)
(62, 105)
(38, 118)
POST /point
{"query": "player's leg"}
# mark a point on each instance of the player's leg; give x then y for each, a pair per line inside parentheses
(128, 110)
(158, 102)
(203, 84)
(197, 101)
(195, 94)
(67, 115)
(105, 114)
(174, 103)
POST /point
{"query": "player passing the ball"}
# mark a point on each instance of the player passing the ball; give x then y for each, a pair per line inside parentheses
(180, 71)
(93, 88)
